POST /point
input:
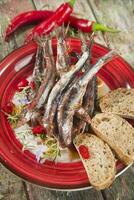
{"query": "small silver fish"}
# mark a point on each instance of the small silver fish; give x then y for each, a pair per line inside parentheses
(76, 93)
(57, 91)
(62, 60)
(45, 87)
(49, 78)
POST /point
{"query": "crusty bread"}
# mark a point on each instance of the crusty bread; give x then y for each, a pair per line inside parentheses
(116, 132)
(100, 166)
(119, 101)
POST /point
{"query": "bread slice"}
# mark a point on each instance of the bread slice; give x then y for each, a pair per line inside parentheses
(116, 132)
(100, 166)
(119, 101)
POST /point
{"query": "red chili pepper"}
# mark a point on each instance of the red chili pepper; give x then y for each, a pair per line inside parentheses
(31, 17)
(23, 83)
(57, 19)
(38, 130)
(88, 26)
(84, 152)
(9, 108)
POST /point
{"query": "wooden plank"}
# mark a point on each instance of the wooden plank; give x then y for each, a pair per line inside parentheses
(9, 9)
(44, 194)
(11, 188)
(122, 188)
(118, 14)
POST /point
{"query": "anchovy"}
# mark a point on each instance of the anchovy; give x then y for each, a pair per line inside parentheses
(91, 91)
(38, 72)
(51, 79)
(79, 124)
(76, 94)
(58, 89)
(62, 60)
(60, 113)
(83, 115)
(45, 87)
(62, 85)
(65, 124)
(88, 99)
(65, 114)
(48, 80)
(90, 96)
(39, 67)
(89, 104)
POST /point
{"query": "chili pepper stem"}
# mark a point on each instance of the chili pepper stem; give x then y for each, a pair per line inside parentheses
(101, 27)
(33, 4)
(72, 2)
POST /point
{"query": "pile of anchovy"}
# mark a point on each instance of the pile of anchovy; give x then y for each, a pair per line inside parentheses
(65, 94)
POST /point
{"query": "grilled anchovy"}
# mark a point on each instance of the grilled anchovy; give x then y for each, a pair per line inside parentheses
(57, 90)
(90, 96)
(48, 80)
(91, 91)
(39, 68)
(65, 123)
(88, 105)
(83, 115)
(65, 81)
(88, 99)
(38, 72)
(45, 87)
(62, 61)
(76, 93)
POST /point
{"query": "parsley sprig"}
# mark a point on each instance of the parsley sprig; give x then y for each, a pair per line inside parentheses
(14, 116)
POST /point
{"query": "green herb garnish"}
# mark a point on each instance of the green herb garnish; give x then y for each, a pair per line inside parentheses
(53, 148)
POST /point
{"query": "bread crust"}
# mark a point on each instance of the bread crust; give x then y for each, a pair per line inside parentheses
(120, 154)
(105, 184)
(120, 102)
(125, 159)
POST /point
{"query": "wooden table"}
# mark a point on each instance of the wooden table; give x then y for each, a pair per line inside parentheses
(116, 13)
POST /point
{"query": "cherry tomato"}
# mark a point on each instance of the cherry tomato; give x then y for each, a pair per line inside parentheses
(38, 129)
(22, 84)
(9, 107)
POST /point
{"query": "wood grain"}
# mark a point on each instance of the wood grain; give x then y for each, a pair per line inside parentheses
(122, 188)
(9, 9)
(11, 188)
(44, 194)
(118, 14)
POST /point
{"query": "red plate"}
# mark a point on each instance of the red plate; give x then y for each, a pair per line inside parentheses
(64, 176)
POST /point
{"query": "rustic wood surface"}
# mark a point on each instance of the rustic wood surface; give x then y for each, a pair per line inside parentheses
(116, 13)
